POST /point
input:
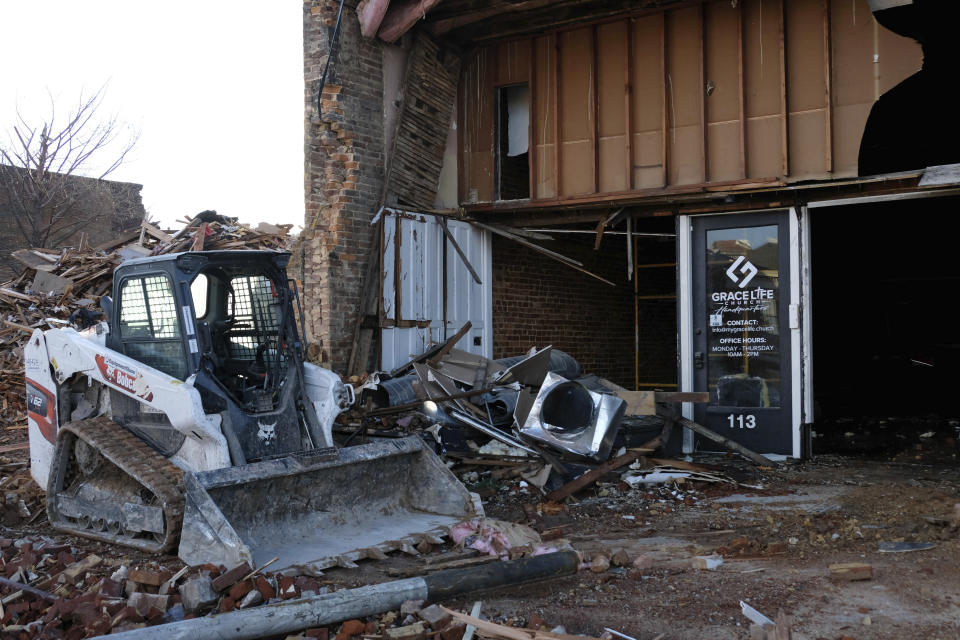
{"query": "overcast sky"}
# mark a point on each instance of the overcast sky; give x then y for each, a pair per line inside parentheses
(215, 88)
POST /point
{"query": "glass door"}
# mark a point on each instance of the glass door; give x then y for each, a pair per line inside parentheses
(741, 343)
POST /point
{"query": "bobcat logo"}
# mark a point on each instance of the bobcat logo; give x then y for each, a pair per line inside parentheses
(267, 433)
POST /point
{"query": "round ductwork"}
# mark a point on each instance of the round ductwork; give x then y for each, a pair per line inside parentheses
(567, 410)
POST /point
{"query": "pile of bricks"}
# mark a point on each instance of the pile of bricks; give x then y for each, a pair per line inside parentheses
(48, 592)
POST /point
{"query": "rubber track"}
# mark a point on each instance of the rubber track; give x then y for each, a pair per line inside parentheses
(134, 457)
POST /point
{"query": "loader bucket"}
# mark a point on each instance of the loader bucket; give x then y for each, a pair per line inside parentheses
(368, 500)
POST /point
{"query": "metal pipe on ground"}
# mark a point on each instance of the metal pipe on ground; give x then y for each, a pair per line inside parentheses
(296, 615)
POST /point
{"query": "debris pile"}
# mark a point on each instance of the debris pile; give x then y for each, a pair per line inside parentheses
(537, 418)
(63, 287)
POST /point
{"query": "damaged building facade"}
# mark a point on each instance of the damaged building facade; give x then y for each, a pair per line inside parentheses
(746, 197)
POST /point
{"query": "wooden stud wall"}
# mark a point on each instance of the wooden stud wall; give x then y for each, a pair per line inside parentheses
(707, 93)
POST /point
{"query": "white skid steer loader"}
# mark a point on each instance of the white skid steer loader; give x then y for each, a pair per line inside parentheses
(190, 413)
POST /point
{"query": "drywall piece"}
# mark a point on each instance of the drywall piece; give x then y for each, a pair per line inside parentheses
(542, 124)
(762, 80)
(647, 118)
(723, 92)
(576, 112)
(684, 96)
(513, 62)
(611, 107)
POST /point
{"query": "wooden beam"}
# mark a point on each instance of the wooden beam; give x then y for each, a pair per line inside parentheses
(456, 247)
(370, 13)
(828, 81)
(593, 475)
(556, 115)
(463, 154)
(784, 125)
(532, 155)
(701, 397)
(743, 93)
(401, 16)
(702, 62)
(725, 441)
(594, 107)
(664, 106)
(445, 25)
(628, 103)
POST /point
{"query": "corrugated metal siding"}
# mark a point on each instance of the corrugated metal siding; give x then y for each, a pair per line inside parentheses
(421, 287)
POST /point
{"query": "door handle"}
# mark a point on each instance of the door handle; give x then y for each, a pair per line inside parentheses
(698, 360)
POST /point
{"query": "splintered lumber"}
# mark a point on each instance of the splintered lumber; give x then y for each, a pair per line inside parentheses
(329, 608)
(13, 584)
(493, 630)
(593, 475)
(726, 442)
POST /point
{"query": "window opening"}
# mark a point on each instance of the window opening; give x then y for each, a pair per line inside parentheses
(199, 290)
(513, 142)
(149, 326)
(255, 308)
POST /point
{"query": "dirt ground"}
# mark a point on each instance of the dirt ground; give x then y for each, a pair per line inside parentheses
(778, 543)
(778, 531)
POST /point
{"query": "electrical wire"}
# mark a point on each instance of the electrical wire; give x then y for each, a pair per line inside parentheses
(332, 53)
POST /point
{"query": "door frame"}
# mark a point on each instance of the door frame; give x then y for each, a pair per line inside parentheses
(799, 319)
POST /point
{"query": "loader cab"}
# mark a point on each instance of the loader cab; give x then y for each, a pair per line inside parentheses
(220, 312)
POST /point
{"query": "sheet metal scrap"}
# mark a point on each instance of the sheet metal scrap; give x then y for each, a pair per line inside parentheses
(569, 417)
(525, 401)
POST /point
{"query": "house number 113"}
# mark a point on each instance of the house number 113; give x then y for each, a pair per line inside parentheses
(748, 421)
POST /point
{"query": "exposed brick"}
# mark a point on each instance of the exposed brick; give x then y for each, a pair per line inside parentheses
(240, 589)
(151, 577)
(540, 302)
(231, 577)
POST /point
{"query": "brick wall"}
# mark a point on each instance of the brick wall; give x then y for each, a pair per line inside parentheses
(101, 209)
(343, 177)
(538, 302)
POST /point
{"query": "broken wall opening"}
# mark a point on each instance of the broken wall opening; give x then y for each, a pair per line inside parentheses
(885, 344)
(513, 142)
(538, 302)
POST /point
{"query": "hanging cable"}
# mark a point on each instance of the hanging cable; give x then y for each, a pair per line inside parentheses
(332, 53)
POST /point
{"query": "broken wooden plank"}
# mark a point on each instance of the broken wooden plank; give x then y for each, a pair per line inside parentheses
(672, 397)
(32, 260)
(726, 442)
(13, 584)
(441, 348)
(593, 475)
(456, 247)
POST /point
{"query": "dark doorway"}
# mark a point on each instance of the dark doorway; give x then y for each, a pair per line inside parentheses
(885, 344)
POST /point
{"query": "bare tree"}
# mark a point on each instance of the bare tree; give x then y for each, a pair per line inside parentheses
(52, 172)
